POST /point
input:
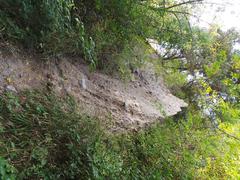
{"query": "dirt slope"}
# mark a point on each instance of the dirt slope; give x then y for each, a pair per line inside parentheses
(130, 105)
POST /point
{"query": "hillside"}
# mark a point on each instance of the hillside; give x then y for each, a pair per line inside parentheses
(133, 104)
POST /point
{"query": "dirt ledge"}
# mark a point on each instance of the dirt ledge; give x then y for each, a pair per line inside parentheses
(131, 105)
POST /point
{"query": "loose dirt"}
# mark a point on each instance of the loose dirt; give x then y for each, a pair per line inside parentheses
(126, 105)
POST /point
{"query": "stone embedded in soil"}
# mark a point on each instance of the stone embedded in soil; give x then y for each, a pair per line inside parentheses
(11, 88)
(82, 83)
(132, 106)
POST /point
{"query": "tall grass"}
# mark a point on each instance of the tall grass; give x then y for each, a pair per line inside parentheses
(43, 136)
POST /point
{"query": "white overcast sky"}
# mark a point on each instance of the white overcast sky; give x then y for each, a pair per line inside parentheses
(226, 13)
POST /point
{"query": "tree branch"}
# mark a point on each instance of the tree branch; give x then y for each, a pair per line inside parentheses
(229, 135)
(184, 3)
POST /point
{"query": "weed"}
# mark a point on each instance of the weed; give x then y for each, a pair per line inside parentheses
(43, 137)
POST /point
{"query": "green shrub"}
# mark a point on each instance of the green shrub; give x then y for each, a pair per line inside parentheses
(49, 26)
(97, 30)
(57, 26)
(182, 150)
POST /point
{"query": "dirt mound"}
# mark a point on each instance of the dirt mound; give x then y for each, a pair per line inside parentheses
(129, 105)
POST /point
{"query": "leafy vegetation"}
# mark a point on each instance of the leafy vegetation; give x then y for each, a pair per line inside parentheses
(43, 136)
(97, 30)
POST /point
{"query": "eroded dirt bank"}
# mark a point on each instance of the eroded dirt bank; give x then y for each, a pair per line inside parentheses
(135, 104)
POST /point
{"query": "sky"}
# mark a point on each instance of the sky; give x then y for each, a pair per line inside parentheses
(226, 13)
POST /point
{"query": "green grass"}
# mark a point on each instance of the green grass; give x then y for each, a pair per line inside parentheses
(43, 136)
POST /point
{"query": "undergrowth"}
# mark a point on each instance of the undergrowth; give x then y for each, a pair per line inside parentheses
(90, 29)
(43, 136)
(106, 33)
(50, 27)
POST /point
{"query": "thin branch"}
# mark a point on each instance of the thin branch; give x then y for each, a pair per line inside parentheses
(173, 57)
(177, 68)
(184, 3)
(224, 132)
(180, 25)
(229, 135)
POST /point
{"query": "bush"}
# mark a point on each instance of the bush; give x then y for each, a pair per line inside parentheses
(97, 30)
(49, 26)
(57, 26)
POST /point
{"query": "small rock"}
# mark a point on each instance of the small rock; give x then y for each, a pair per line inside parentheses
(131, 106)
(82, 83)
(126, 106)
(67, 89)
(11, 88)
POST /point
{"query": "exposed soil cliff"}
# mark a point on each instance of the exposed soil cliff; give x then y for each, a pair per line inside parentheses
(129, 105)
